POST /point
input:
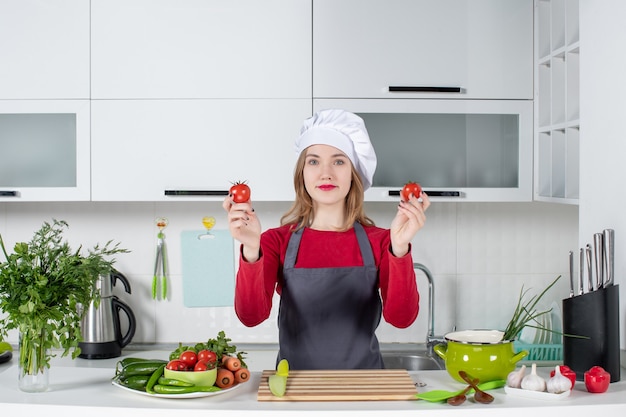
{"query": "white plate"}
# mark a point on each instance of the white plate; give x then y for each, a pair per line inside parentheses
(536, 395)
(178, 396)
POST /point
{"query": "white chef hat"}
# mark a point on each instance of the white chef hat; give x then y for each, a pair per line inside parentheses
(345, 131)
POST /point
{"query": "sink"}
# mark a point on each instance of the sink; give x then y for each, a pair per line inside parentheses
(410, 362)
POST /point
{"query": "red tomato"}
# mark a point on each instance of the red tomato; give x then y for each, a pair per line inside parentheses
(208, 356)
(410, 188)
(597, 380)
(189, 358)
(176, 365)
(240, 192)
(566, 372)
(201, 366)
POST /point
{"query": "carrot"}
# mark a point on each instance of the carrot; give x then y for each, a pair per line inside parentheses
(225, 378)
(232, 364)
(242, 375)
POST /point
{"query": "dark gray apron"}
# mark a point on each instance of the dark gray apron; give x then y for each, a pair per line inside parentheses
(328, 316)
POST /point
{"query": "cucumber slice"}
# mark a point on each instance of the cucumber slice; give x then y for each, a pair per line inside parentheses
(278, 385)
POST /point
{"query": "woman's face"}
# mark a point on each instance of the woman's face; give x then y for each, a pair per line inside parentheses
(327, 174)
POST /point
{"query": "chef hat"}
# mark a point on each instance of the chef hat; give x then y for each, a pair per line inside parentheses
(345, 131)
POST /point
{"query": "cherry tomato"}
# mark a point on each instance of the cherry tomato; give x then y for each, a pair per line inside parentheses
(189, 358)
(597, 379)
(566, 372)
(176, 365)
(201, 366)
(208, 356)
(240, 192)
(410, 188)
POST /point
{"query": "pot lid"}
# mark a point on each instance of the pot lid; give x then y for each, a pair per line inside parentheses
(476, 336)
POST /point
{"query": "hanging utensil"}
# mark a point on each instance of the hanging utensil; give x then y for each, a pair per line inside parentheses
(598, 246)
(581, 271)
(160, 263)
(609, 256)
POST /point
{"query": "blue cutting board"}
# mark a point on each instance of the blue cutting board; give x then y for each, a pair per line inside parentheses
(208, 269)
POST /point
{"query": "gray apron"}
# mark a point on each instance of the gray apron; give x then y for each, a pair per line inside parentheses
(328, 316)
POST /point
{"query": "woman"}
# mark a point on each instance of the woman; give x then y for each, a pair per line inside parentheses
(328, 261)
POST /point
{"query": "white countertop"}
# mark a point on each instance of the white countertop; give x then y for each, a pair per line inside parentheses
(84, 386)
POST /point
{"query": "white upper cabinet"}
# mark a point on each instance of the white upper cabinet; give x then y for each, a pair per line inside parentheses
(193, 150)
(44, 49)
(483, 48)
(159, 49)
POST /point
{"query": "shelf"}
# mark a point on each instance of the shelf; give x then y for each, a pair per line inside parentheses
(557, 101)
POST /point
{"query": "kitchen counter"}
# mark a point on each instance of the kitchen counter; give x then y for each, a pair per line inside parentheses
(83, 386)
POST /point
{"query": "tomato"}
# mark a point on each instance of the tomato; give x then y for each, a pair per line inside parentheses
(597, 379)
(189, 358)
(201, 366)
(208, 356)
(566, 372)
(240, 192)
(176, 365)
(410, 188)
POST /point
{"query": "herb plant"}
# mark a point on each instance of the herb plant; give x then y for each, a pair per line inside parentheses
(42, 286)
(525, 313)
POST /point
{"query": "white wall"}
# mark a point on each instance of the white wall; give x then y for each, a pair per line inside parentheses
(602, 138)
(479, 253)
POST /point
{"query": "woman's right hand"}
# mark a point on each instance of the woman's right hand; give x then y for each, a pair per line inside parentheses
(244, 226)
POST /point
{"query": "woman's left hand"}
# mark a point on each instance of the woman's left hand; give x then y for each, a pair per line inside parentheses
(410, 218)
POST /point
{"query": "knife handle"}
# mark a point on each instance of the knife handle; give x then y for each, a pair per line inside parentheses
(598, 244)
(571, 274)
(589, 268)
(581, 272)
(609, 253)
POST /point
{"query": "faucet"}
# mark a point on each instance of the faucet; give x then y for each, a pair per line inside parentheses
(431, 339)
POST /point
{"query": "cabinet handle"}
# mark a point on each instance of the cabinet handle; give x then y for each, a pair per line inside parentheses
(4, 193)
(432, 193)
(426, 89)
(188, 193)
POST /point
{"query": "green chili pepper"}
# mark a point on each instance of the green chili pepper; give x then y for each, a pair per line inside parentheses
(172, 389)
(174, 382)
(154, 378)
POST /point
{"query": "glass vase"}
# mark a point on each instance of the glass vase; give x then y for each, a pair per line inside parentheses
(32, 364)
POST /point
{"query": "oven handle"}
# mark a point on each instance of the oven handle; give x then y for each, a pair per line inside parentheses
(423, 89)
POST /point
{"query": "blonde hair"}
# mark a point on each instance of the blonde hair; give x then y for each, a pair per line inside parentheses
(301, 212)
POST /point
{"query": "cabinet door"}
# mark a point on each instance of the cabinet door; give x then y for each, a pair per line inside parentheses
(194, 149)
(484, 47)
(44, 49)
(201, 49)
(44, 150)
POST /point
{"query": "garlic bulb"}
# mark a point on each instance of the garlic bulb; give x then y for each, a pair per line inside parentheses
(534, 382)
(514, 379)
(558, 383)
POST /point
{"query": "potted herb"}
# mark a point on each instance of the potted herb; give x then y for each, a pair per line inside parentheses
(42, 284)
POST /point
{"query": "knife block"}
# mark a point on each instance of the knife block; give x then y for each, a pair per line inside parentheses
(594, 315)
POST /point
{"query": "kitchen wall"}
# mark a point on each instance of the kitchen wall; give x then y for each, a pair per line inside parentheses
(481, 254)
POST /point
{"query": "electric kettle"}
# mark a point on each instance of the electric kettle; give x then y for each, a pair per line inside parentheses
(100, 326)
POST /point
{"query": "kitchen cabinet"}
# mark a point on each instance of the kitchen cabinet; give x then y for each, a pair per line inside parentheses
(44, 49)
(557, 104)
(458, 150)
(189, 49)
(190, 150)
(482, 47)
(44, 150)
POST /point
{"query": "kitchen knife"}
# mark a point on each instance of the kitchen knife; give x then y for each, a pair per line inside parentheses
(598, 244)
(609, 256)
(581, 272)
(571, 274)
(589, 268)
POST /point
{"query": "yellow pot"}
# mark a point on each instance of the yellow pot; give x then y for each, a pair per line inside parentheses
(481, 353)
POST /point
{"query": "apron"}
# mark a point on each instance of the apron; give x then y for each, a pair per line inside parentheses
(328, 316)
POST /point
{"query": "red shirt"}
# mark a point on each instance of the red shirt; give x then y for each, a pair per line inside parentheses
(257, 281)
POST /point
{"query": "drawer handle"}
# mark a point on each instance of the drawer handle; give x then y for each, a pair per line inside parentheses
(190, 193)
(5, 193)
(426, 89)
(432, 193)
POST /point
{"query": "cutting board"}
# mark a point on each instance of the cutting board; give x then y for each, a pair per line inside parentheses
(342, 385)
(208, 265)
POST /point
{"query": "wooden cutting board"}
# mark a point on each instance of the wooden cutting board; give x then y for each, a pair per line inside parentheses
(342, 385)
